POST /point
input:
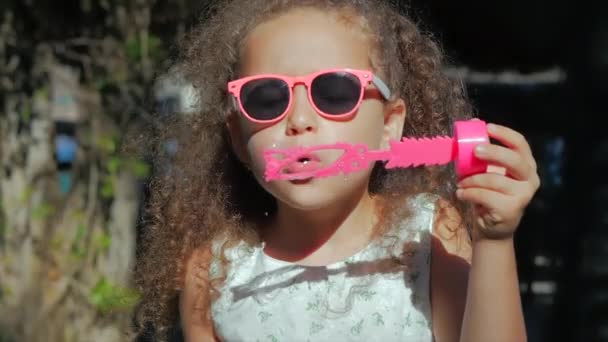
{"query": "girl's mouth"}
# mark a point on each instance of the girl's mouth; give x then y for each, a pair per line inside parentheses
(301, 164)
(304, 167)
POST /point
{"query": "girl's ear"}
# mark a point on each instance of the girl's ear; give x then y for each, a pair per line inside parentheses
(234, 131)
(394, 119)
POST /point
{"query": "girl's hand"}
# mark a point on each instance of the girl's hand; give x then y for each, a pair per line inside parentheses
(500, 200)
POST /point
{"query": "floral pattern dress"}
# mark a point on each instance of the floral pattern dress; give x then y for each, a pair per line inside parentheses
(378, 294)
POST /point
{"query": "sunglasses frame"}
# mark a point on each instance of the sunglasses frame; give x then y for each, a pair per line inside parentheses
(365, 78)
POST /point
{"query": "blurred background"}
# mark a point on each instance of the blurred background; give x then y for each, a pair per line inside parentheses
(77, 75)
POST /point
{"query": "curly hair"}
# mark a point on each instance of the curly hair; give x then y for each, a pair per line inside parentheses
(196, 196)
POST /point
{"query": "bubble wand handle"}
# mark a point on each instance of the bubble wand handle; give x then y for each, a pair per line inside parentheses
(408, 152)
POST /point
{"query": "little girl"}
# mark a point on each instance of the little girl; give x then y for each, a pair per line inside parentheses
(376, 255)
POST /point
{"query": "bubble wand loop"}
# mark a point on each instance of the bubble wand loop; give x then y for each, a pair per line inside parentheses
(408, 152)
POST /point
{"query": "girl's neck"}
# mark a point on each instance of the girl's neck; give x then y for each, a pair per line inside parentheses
(323, 235)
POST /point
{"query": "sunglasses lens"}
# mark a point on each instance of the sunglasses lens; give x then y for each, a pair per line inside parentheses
(336, 93)
(265, 99)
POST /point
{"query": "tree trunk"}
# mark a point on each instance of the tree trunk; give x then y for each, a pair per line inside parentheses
(69, 87)
(68, 243)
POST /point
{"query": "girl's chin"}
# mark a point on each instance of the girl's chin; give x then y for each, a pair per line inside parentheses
(312, 194)
(306, 203)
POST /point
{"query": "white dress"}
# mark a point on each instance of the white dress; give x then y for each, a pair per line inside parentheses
(367, 297)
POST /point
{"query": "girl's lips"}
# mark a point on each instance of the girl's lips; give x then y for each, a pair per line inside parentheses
(304, 167)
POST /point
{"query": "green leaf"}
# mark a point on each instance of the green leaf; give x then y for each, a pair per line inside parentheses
(56, 242)
(5, 291)
(77, 215)
(99, 292)
(113, 164)
(155, 48)
(107, 297)
(78, 252)
(101, 83)
(132, 48)
(42, 211)
(80, 231)
(106, 144)
(26, 194)
(139, 168)
(26, 112)
(41, 93)
(102, 241)
(107, 187)
(154, 45)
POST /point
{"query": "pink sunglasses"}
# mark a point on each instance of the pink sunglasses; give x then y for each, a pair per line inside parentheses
(334, 94)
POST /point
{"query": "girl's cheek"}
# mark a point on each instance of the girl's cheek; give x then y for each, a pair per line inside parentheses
(256, 148)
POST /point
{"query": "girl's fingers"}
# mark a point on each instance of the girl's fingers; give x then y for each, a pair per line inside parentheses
(488, 199)
(499, 170)
(517, 167)
(513, 140)
(490, 181)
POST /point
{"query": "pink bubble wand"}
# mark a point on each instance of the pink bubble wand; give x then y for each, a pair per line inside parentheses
(408, 152)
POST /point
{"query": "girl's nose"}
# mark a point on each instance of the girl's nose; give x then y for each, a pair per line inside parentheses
(302, 117)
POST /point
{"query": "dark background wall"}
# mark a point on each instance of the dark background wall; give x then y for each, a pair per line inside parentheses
(563, 241)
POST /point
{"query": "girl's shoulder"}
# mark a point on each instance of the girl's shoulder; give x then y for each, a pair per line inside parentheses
(225, 251)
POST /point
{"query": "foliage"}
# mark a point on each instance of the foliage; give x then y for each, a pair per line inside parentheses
(117, 48)
(109, 297)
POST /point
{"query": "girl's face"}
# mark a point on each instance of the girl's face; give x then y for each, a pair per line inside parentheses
(299, 43)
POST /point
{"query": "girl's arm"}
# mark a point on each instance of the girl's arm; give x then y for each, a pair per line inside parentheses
(492, 311)
(194, 301)
(450, 265)
(475, 291)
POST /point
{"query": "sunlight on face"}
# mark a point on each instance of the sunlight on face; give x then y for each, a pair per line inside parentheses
(298, 43)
